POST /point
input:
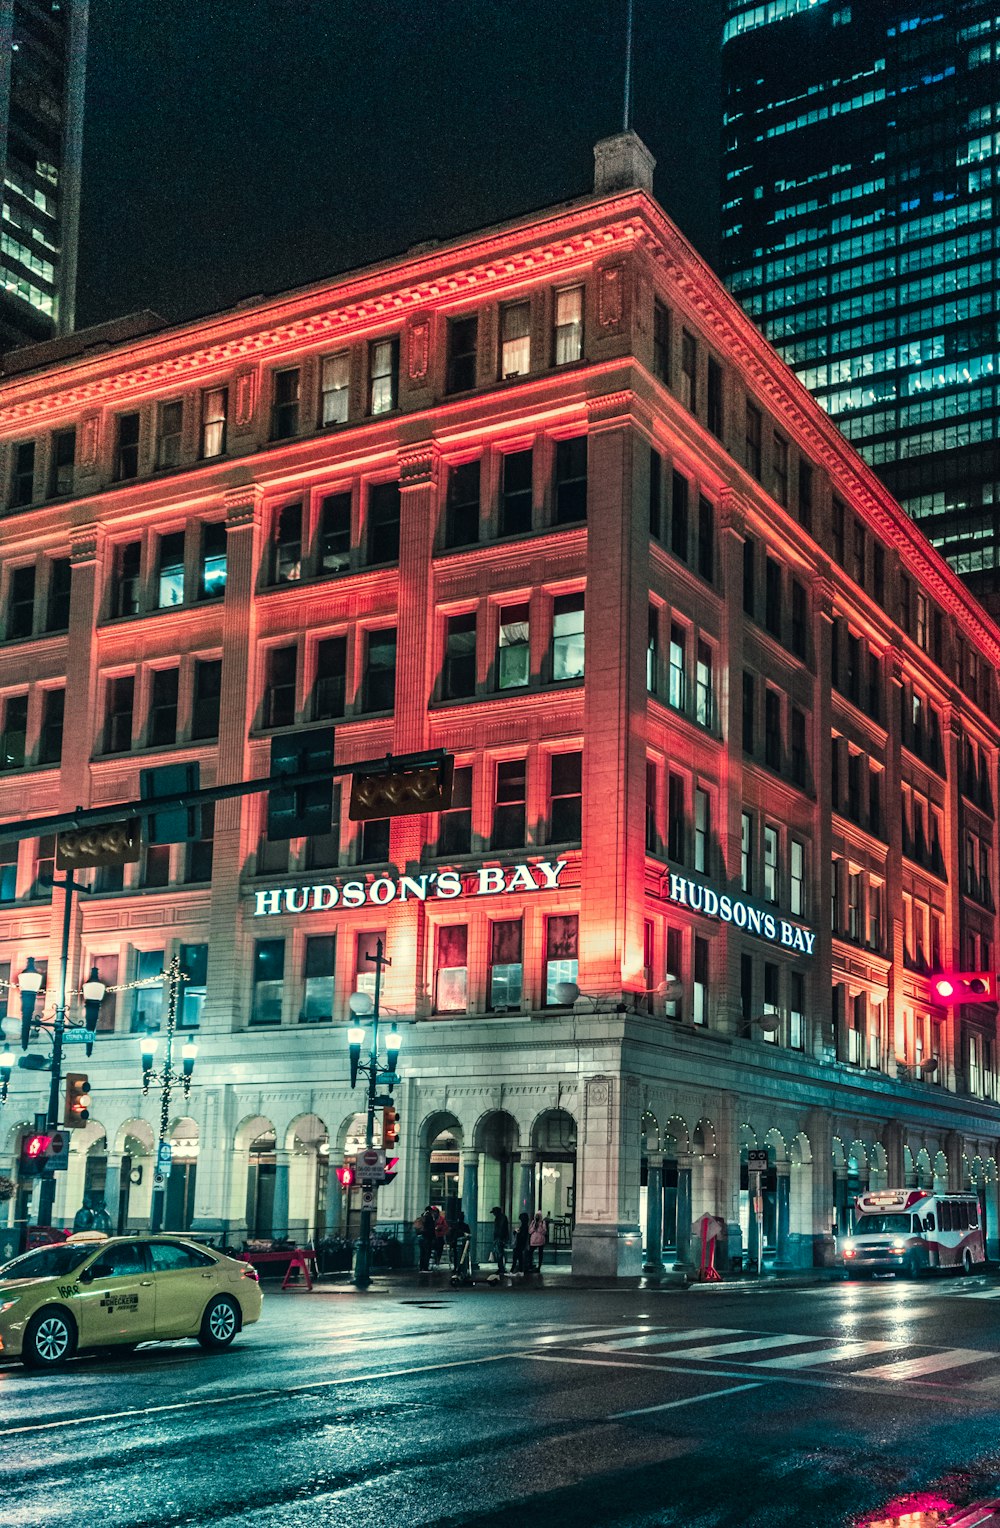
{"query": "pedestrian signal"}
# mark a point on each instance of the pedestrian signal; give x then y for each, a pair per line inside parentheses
(345, 1176)
(34, 1155)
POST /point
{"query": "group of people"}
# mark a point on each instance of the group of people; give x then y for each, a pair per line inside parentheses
(530, 1237)
(436, 1232)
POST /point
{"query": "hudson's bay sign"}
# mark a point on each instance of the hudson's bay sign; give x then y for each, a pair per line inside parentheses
(379, 891)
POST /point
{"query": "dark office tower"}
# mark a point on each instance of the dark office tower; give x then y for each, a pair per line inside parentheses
(42, 56)
(861, 230)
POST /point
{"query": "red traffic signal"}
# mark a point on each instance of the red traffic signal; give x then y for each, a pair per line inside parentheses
(34, 1154)
(345, 1176)
(77, 1111)
(949, 988)
(390, 1127)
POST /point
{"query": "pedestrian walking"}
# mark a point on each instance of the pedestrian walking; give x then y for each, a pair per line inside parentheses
(459, 1234)
(440, 1234)
(521, 1260)
(426, 1227)
(538, 1235)
(501, 1236)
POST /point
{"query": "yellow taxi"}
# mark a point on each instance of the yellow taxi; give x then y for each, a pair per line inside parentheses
(96, 1291)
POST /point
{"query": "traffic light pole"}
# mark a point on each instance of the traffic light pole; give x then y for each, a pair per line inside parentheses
(47, 1193)
(362, 1263)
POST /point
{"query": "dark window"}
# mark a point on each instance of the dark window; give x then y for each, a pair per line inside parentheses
(571, 480)
(163, 706)
(878, 572)
(797, 741)
(170, 570)
(655, 493)
(63, 463)
(746, 989)
(156, 865)
(191, 998)
(706, 539)
(22, 488)
(57, 617)
(689, 371)
(287, 549)
(779, 467)
(383, 522)
(458, 675)
(752, 439)
(462, 513)
(375, 841)
(50, 740)
(320, 965)
(323, 849)
(14, 735)
(285, 408)
(118, 726)
(127, 588)
(198, 861)
(675, 818)
(508, 812)
(207, 695)
(43, 866)
(506, 968)
(8, 893)
(330, 690)
(716, 415)
(675, 966)
(334, 552)
(383, 374)
(127, 465)
(516, 494)
(455, 825)
(147, 1002)
(679, 516)
(800, 620)
(451, 971)
(21, 609)
(839, 530)
(772, 596)
(661, 341)
(380, 670)
(653, 651)
(805, 494)
(748, 712)
(565, 797)
(749, 576)
(268, 981)
(168, 441)
(279, 696)
(214, 404)
(463, 335)
(212, 574)
(652, 811)
(772, 729)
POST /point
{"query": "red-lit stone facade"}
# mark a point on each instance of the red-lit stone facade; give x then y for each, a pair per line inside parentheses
(541, 496)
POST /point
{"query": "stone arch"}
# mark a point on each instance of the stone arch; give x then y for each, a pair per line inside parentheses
(553, 1130)
(306, 1131)
(440, 1122)
(14, 1133)
(250, 1129)
(496, 1133)
(307, 1143)
(675, 1139)
(552, 1172)
(649, 1133)
(442, 1138)
(839, 1155)
(703, 1139)
(924, 1170)
(878, 1167)
(936, 1173)
(800, 1212)
(748, 1138)
(800, 1150)
(134, 1137)
(909, 1169)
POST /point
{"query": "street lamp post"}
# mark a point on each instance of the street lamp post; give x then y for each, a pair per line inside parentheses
(167, 1078)
(361, 1005)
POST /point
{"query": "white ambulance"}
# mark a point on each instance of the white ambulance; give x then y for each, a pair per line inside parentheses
(912, 1230)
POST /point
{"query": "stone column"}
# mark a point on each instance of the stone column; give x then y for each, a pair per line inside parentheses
(279, 1213)
(653, 1264)
(607, 1240)
(113, 1189)
(782, 1210)
(820, 1039)
(526, 1184)
(841, 1209)
(470, 1196)
(683, 1259)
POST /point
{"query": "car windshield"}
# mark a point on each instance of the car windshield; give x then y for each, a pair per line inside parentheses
(47, 1262)
(883, 1225)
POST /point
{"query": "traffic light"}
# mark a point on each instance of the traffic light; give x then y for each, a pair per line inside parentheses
(949, 988)
(391, 1168)
(302, 810)
(345, 1176)
(390, 1127)
(106, 843)
(34, 1155)
(77, 1111)
(392, 792)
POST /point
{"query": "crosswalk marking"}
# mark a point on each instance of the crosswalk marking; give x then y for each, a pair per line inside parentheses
(751, 1345)
(933, 1363)
(578, 1333)
(833, 1355)
(660, 1337)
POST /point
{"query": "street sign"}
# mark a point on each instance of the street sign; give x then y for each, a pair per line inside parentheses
(159, 1179)
(58, 1158)
(370, 1165)
(368, 1198)
(757, 1161)
(164, 1155)
(76, 1036)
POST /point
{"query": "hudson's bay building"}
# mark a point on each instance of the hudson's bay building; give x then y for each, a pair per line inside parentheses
(726, 731)
(861, 141)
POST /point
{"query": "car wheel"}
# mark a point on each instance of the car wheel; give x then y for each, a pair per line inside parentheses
(219, 1324)
(967, 1262)
(49, 1340)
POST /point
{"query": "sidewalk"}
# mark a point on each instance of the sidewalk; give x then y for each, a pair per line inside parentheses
(560, 1277)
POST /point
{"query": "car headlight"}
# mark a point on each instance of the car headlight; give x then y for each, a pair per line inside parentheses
(899, 1246)
(5, 1305)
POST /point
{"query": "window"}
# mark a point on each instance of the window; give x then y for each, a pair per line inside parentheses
(42, 867)
(746, 853)
(704, 704)
(677, 664)
(279, 695)
(268, 981)
(797, 878)
(191, 998)
(799, 759)
(118, 724)
(772, 596)
(800, 620)
(318, 985)
(383, 369)
(212, 573)
(509, 805)
(854, 906)
(207, 696)
(335, 381)
(51, 736)
(214, 406)
(462, 512)
(323, 848)
(383, 522)
(796, 1009)
(156, 865)
(921, 632)
(839, 529)
(451, 973)
(689, 371)
(855, 1033)
(286, 565)
(14, 735)
(458, 676)
(62, 464)
(675, 818)
(364, 969)
(749, 706)
(749, 577)
(374, 841)
(567, 637)
(805, 494)
(679, 516)
(329, 698)
(571, 480)
(170, 570)
(127, 460)
(652, 813)
(516, 493)
(672, 1007)
(200, 851)
(455, 825)
(565, 797)
(706, 540)
(779, 468)
(772, 729)
(561, 955)
(107, 972)
(285, 405)
(380, 669)
(21, 606)
(770, 864)
(746, 991)
(751, 456)
(653, 651)
(515, 339)
(8, 886)
(463, 335)
(716, 414)
(661, 341)
(168, 438)
(655, 493)
(334, 550)
(569, 325)
(506, 969)
(163, 706)
(699, 990)
(147, 1002)
(513, 648)
(702, 829)
(57, 615)
(126, 579)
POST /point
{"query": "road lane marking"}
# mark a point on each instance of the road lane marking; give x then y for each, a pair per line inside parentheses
(688, 1400)
(578, 1333)
(913, 1368)
(752, 1345)
(828, 1356)
(661, 1336)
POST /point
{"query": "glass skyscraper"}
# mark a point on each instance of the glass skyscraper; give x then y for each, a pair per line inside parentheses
(860, 229)
(42, 59)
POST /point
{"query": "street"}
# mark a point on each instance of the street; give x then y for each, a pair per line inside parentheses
(798, 1406)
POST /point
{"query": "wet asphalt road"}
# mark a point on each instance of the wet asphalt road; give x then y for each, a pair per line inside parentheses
(704, 1408)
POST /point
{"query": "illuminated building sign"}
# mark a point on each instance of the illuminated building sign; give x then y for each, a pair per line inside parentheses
(379, 891)
(714, 904)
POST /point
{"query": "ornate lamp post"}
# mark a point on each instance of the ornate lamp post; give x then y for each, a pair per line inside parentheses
(7, 1063)
(361, 1005)
(166, 1079)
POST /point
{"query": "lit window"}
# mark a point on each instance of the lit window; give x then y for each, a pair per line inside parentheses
(147, 1002)
(515, 340)
(451, 971)
(213, 560)
(268, 981)
(514, 651)
(384, 368)
(317, 996)
(170, 572)
(335, 385)
(506, 969)
(569, 325)
(770, 864)
(213, 421)
(561, 955)
(567, 637)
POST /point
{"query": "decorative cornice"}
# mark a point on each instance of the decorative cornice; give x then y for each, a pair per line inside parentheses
(418, 464)
(85, 543)
(734, 510)
(242, 506)
(611, 407)
(823, 595)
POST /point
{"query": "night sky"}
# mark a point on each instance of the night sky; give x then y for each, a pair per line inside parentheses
(236, 147)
